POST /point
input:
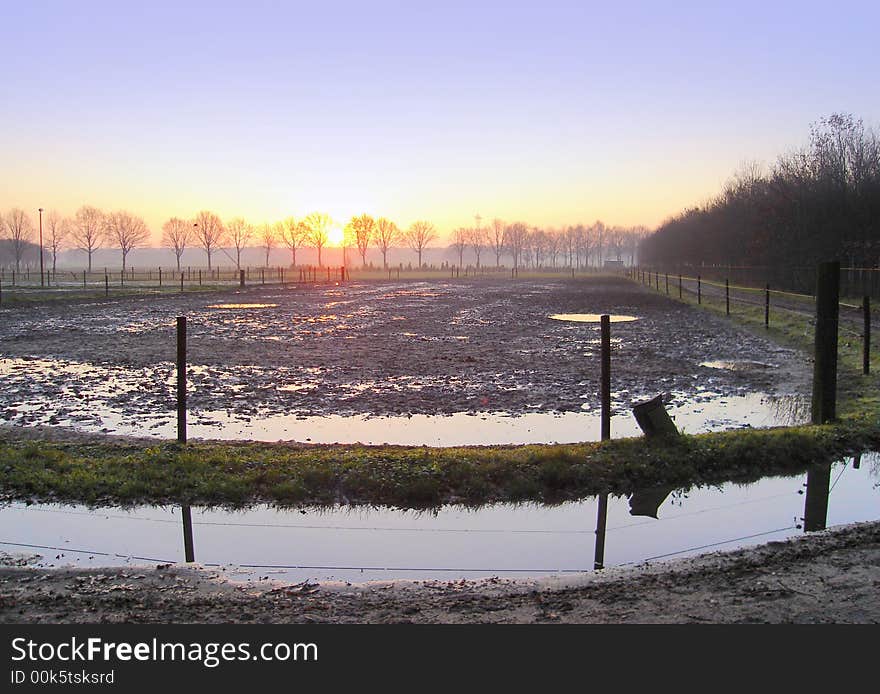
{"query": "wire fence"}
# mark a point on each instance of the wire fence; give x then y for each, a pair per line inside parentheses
(855, 282)
(854, 319)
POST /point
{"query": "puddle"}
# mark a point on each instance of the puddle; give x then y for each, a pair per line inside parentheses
(362, 544)
(741, 365)
(242, 306)
(591, 317)
(710, 412)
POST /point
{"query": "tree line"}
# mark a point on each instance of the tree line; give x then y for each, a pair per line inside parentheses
(819, 202)
(91, 229)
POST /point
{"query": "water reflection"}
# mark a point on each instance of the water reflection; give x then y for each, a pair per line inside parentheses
(816, 503)
(361, 544)
(591, 317)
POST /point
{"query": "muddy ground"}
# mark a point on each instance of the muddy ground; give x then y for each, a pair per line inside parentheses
(828, 577)
(377, 349)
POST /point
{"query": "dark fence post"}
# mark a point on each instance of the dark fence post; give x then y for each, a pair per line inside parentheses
(160, 277)
(699, 290)
(767, 307)
(866, 337)
(241, 278)
(824, 405)
(679, 286)
(605, 385)
(727, 295)
(605, 397)
(106, 285)
(667, 283)
(181, 379)
(181, 281)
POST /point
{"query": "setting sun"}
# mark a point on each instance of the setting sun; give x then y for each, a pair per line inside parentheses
(335, 236)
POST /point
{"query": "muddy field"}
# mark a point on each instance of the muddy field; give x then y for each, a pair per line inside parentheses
(829, 577)
(377, 349)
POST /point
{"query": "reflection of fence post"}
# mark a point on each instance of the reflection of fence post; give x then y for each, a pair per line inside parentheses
(188, 549)
(816, 503)
(824, 404)
(866, 337)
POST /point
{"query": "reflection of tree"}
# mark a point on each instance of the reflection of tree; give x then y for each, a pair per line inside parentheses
(790, 409)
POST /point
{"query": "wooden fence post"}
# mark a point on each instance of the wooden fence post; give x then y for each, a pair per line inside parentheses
(824, 405)
(866, 336)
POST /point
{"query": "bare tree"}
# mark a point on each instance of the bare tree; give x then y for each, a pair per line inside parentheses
(387, 234)
(516, 237)
(268, 239)
(418, 236)
(176, 233)
(496, 239)
(318, 226)
(294, 234)
(238, 232)
(57, 230)
(21, 230)
(363, 228)
(209, 232)
(554, 245)
(477, 238)
(125, 231)
(87, 232)
(460, 240)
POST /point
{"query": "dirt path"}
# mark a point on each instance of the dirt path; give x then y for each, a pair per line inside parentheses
(829, 577)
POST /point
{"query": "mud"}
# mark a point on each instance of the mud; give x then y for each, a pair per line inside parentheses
(827, 577)
(374, 349)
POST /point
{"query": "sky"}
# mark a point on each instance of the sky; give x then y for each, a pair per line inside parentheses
(552, 113)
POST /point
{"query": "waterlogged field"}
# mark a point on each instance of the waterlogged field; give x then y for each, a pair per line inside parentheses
(439, 363)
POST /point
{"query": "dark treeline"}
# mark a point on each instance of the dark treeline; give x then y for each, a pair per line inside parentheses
(818, 203)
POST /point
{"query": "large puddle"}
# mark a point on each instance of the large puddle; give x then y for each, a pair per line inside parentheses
(363, 544)
(713, 413)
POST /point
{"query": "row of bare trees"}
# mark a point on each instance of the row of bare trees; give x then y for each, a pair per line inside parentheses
(529, 246)
(208, 232)
(88, 230)
(815, 203)
(91, 229)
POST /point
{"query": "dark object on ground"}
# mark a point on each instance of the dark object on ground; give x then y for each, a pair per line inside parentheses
(653, 418)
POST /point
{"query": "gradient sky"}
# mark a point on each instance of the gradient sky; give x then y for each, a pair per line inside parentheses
(549, 112)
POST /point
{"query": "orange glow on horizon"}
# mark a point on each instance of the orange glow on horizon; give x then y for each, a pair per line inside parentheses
(335, 236)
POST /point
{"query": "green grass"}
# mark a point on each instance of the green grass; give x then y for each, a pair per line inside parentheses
(236, 474)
